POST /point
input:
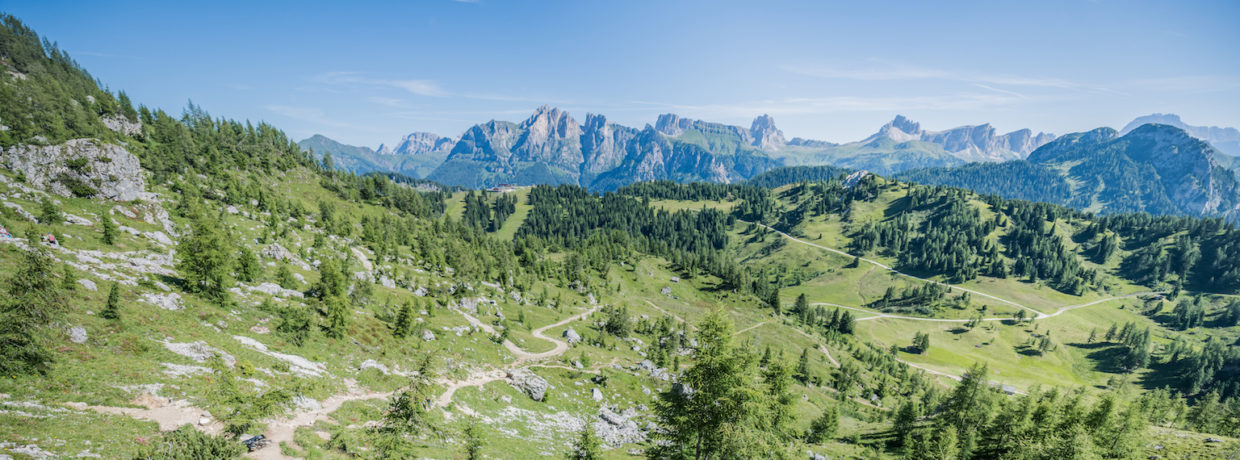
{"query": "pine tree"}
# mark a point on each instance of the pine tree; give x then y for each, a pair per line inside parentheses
(49, 213)
(285, 278)
(473, 441)
(825, 426)
(587, 446)
(404, 321)
(295, 324)
(113, 308)
(68, 280)
(32, 299)
(338, 312)
(905, 421)
(802, 304)
(203, 258)
(803, 366)
(109, 230)
(248, 266)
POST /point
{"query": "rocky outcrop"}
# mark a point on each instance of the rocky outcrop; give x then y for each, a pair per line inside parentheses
(765, 135)
(80, 167)
(122, 125)
(529, 383)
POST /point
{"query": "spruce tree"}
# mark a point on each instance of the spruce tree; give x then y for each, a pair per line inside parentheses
(825, 425)
(109, 230)
(49, 213)
(587, 446)
(32, 299)
(113, 308)
(404, 321)
(338, 312)
(204, 259)
(248, 266)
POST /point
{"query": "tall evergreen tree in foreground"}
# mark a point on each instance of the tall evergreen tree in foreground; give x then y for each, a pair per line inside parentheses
(204, 259)
(32, 299)
(716, 410)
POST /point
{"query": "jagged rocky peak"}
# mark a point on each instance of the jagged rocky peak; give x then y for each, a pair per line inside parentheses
(901, 129)
(550, 135)
(550, 122)
(904, 124)
(383, 150)
(419, 143)
(765, 135)
(670, 124)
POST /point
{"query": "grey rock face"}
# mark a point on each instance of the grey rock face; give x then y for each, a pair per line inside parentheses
(551, 136)
(969, 143)
(86, 167)
(122, 125)
(617, 428)
(603, 144)
(765, 135)
(529, 383)
(418, 144)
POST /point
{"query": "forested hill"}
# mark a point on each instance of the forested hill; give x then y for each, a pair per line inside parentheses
(1158, 169)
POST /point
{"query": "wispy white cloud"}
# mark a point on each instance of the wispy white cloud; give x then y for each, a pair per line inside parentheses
(1183, 83)
(419, 87)
(316, 116)
(878, 70)
(847, 104)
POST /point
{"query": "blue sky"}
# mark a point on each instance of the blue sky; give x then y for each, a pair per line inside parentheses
(369, 72)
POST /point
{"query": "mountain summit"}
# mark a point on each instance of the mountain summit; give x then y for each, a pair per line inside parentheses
(1226, 140)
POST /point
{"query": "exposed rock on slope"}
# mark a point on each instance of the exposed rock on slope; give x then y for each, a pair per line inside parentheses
(81, 167)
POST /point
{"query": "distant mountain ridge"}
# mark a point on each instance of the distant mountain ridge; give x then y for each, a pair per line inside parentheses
(903, 144)
(416, 155)
(1155, 168)
(1226, 140)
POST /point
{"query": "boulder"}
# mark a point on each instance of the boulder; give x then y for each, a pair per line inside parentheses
(529, 383)
(427, 335)
(77, 334)
(571, 336)
(88, 284)
(596, 394)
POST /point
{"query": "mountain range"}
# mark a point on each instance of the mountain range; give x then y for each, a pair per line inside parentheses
(1156, 164)
(552, 147)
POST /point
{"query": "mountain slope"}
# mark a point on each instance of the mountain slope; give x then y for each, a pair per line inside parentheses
(416, 155)
(1158, 169)
(1225, 140)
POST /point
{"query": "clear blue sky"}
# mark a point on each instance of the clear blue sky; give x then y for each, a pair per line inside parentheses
(369, 72)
